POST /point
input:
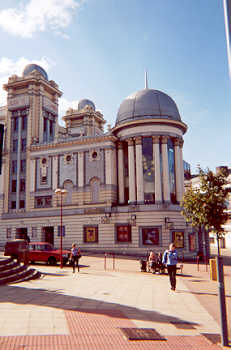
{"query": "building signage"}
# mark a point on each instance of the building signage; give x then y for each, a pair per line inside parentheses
(91, 234)
(18, 102)
(178, 238)
(150, 235)
(123, 233)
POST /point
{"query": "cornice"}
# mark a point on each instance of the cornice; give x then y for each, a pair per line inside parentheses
(20, 82)
(158, 121)
(69, 143)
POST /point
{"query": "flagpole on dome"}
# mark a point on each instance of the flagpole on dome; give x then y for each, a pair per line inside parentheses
(146, 80)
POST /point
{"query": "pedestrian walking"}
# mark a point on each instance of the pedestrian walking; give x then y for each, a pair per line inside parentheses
(170, 260)
(75, 256)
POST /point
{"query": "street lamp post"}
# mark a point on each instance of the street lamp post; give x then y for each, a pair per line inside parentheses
(61, 192)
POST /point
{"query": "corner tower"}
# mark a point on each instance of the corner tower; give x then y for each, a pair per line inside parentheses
(32, 117)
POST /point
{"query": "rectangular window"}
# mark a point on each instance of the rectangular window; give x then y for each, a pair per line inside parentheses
(14, 166)
(23, 166)
(15, 124)
(21, 204)
(90, 234)
(44, 124)
(178, 238)
(22, 185)
(43, 202)
(15, 145)
(150, 236)
(123, 233)
(13, 185)
(24, 123)
(13, 205)
(23, 145)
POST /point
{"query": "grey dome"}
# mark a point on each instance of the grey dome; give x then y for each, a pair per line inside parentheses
(30, 67)
(85, 102)
(147, 103)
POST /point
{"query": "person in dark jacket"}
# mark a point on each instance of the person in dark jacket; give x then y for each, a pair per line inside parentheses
(75, 256)
(170, 260)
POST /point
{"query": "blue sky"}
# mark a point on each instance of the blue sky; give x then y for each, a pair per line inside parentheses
(100, 49)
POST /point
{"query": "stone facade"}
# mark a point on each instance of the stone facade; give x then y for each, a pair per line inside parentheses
(123, 187)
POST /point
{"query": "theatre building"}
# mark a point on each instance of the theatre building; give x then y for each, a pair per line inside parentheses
(113, 191)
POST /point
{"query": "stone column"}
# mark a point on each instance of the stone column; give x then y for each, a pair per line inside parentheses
(181, 166)
(156, 156)
(131, 171)
(121, 172)
(139, 171)
(32, 175)
(80, 169)
(178, 168)
(166, 184)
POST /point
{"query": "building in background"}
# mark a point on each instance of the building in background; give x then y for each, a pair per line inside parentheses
(123, 187)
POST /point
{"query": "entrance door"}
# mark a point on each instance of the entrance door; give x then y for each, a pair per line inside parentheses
(48, 234)
(21, 233)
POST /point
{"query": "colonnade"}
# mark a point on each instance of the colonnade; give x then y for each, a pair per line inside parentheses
(161, 178)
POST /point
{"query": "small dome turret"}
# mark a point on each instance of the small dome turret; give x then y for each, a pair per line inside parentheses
(84, 103)
(31, 67)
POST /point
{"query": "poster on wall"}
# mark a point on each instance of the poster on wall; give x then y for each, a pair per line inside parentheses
(178, 238)
(123, 233)
(91, 234)
(150, 235)
(192, 241)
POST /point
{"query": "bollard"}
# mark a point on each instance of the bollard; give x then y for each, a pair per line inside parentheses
(105, 258)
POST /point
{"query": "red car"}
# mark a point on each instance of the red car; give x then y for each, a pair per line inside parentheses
(45, 252)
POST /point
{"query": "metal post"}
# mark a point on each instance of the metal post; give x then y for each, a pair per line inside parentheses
(61, 232)
(105, 257)
(221, 290)
(113, 256)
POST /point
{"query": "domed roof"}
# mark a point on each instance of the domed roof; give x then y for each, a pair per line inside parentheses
(30, 67)
(147, 103)
(85, 102)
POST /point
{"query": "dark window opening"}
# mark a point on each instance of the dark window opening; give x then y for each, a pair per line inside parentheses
(13, 185)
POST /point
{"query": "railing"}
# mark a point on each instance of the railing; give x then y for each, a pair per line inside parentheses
(106, 255)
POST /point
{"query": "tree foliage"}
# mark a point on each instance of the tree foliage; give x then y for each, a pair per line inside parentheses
(205, 206)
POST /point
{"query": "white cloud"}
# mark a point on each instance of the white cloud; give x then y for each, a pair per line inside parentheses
(38, 16)
(64, 104)
(9, 67)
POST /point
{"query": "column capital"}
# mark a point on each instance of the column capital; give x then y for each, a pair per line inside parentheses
(130, 142)
(164, 139)
(181, 142)
(138, 140)
(120, 145)
(155, 139)
(176, 141)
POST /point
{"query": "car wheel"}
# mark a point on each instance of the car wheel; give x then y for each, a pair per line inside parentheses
(52, 261)
(32, 262)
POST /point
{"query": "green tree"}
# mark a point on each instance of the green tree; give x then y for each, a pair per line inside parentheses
(205, 207)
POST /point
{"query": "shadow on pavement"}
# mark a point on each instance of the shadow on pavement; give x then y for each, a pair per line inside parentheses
(55, 299)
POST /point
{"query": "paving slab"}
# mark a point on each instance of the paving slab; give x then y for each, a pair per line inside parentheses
(86, 310)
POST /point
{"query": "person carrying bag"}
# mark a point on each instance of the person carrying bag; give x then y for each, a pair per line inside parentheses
(75, 256)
